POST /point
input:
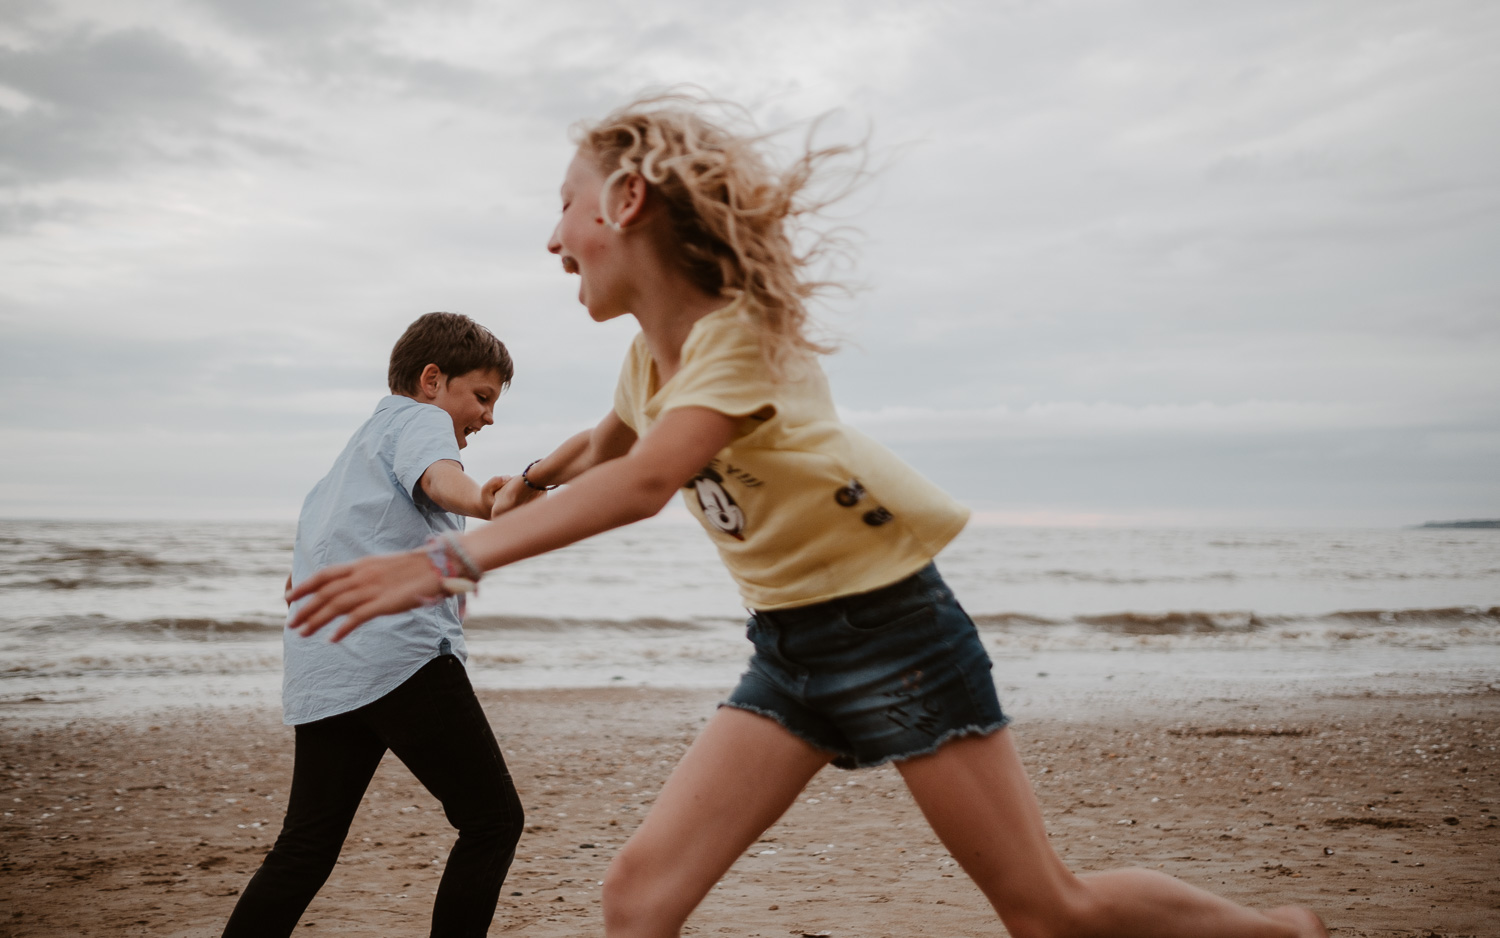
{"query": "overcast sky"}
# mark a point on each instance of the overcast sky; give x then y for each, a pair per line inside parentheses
(1173, 263)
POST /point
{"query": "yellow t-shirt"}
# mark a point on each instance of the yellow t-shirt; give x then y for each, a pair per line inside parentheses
(802, 508)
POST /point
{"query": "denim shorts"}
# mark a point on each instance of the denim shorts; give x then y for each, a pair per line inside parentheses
(873, 677)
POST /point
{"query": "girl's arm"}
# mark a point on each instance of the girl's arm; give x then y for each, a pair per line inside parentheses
(609, 495)
(611, 439)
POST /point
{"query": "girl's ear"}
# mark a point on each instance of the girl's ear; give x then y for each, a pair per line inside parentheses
(632, 204)
(430, 381)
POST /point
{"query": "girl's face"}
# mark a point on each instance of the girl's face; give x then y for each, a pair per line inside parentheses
(587, 246)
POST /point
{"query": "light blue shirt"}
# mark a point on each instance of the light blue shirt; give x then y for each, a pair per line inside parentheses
(370, 503)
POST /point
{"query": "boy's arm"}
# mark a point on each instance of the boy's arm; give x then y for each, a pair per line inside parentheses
(451, 489)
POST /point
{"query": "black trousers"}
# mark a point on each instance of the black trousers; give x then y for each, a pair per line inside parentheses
(434, 724)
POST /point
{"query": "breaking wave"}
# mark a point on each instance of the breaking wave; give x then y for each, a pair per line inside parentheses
(205, 628)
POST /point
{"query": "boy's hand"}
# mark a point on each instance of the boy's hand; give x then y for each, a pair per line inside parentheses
(514, 493)
(487, 493)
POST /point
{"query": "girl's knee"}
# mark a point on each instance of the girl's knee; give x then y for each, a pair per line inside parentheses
(633, 900)
(621, 881)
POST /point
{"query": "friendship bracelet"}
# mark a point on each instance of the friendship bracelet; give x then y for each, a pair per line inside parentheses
(532, 485)
(438, 554)
(450, 540)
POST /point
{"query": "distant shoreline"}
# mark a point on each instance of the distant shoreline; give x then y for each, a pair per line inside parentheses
(1461, 524)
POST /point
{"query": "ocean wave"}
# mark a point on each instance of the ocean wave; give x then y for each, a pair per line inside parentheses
(569, 624)
(208, 628)
(1451, 614)
(1009, 620)
(1170, 623)
(75, 583)
(1195, 622)
(1115, 579)
(59, 565)
(1174, 623)
(187, 628)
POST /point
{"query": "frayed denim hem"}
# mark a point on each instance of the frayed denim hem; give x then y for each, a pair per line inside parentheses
(844, 760)
(781, 721)
(974, 729)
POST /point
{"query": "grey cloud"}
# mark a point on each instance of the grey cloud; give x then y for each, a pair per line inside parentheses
(19, 216)
(107, 100)
(257, 383)
(292, 20)
(1108, 206)
(342, 45)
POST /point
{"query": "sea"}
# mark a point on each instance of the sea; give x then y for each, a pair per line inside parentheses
(132, 617)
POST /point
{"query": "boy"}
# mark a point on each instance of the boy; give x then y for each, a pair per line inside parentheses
(399, 683)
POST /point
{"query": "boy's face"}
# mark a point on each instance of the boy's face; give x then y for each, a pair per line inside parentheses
(469, 399)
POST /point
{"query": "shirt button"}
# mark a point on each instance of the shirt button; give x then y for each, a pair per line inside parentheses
(849, 495)
(876, 517)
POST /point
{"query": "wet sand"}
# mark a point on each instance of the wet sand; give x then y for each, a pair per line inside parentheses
(1378, 810)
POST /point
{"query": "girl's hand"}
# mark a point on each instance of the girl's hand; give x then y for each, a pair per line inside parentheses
(513, 494)
(488, 491)
(369, 587)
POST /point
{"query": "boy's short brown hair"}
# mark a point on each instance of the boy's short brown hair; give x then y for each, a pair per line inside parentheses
(453, 342)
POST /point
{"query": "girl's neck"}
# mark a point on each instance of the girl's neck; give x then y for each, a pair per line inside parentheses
(667, 314)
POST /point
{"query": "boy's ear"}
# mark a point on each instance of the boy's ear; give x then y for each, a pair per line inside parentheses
(430, 381)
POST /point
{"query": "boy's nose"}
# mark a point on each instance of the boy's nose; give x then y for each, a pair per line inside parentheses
(553, 244)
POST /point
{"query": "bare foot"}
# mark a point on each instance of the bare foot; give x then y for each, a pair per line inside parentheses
(1307, 924)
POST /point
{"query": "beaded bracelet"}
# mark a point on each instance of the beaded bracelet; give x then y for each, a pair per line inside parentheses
(456, 549)
(440, 554)
(532, 485)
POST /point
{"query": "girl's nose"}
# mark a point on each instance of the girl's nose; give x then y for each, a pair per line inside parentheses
(553, 244)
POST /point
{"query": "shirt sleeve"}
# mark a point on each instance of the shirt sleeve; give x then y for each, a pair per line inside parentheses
(726, 373)
(628, 388)
(425, 438)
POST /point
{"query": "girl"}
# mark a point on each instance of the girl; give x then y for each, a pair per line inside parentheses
(861, 655)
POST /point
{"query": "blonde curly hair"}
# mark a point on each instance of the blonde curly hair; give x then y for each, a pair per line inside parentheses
(736, 220)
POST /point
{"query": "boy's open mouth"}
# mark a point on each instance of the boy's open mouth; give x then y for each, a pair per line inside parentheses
(569, 265)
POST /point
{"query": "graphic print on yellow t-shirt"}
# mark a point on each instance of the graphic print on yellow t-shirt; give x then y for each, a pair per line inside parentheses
(801, 507)
(719, 510)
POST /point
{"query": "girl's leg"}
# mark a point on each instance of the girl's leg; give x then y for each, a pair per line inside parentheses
(334, 761)
(741, 774)
(975, 794)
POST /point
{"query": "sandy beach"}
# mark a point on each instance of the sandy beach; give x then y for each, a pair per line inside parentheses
(1379, 810)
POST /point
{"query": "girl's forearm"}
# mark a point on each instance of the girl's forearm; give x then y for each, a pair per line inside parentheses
(563, 464)
(581, 452)
(599, 500)
(632, 480)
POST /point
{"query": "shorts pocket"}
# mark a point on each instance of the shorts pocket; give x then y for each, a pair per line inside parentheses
(871, 621)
